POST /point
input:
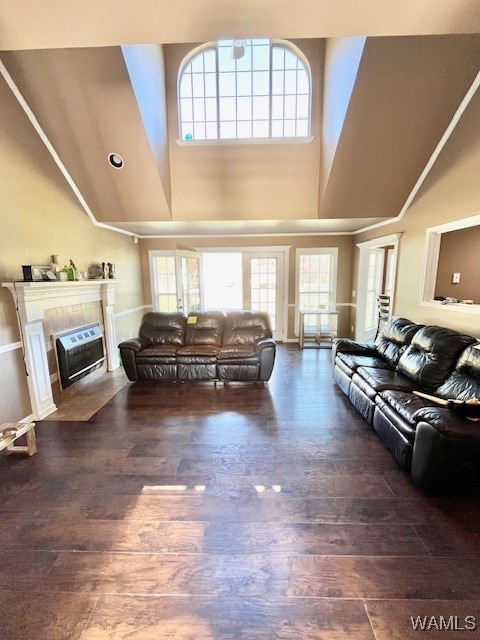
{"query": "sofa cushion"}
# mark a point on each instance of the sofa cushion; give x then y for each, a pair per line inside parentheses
(354, 361)
(200, 350)
(432, 355)
(403, 403)
(205, 327)
(394, 338)
(464, 382)
(158, 350)
(163, 328)
(246, 327)
(372, 381)
(386, 414)
(233, 351)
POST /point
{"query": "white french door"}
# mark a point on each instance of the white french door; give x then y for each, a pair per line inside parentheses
(252, 279)
(175, 278)
(263, 274)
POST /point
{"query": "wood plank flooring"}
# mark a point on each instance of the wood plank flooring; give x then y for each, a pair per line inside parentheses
(228, 512)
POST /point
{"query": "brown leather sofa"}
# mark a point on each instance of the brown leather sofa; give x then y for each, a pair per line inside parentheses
(207, 345)
(435, 445)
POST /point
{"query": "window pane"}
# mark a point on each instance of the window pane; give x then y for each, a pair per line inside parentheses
(261, 57)
(302, 106)
(226, 84)
(277, 129)
(290, 60)
(198, 109)
(302, 128)
(198, 88)
(210, 109)
(289, 128)
(260, 129)
(209, 60)
(303, 85)
(290, 82)
(187, 130)
(186, 107)
(244, 83)
(277, 82)
(277, 107)
(199, 131)
(290, 103)
(278, 58)
(210, 84)
(244, 129)
(228, 130)
(197, 64)
(211, 128)
(244, 108)
(261, 83)
(225, 60)
(186, 85)
(260, 107)
(227, 109)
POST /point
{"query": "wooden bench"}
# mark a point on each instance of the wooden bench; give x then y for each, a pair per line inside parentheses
(10, 431)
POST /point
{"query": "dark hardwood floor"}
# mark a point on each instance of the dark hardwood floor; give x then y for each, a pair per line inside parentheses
(194, 511)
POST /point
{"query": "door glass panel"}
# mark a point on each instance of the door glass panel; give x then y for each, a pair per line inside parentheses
(263, 286)
(166, 287)
(191, 283)
(373, 288)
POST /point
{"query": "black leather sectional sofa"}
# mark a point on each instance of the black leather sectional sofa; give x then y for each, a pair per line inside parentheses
(437, 446)
(208, 345)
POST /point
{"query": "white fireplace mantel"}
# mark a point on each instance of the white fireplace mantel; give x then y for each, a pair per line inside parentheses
(31, 300)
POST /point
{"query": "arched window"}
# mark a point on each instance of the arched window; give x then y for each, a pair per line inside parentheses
(244, 89)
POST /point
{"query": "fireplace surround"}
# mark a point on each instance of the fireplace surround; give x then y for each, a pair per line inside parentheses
(31, 300)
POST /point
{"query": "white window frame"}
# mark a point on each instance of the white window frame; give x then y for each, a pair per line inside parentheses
(433, 239)
(285, 44)
(333, 251)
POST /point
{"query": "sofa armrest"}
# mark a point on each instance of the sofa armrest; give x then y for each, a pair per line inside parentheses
(266, 350)
(135, 344)
(448, 423)
(440, 461)
(346, 345)
(128, 352)
(263, 344)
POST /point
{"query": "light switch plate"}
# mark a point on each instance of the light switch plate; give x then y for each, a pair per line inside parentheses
(455, 278)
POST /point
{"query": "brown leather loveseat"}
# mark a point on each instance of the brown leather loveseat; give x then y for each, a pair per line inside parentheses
(206, 345)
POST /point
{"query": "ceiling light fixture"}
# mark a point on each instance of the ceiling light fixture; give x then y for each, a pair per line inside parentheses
(115, 160)
(238, 49)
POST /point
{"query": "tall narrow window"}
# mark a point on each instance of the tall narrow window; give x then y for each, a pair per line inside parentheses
(316, 283)
(252, 90)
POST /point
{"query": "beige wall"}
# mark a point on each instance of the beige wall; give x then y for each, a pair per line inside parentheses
(451, 192)
(40, 216)
(345, 262)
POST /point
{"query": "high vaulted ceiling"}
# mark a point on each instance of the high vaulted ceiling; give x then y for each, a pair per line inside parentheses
(388, 79)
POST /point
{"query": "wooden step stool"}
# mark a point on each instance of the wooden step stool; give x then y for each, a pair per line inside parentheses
(10, 431)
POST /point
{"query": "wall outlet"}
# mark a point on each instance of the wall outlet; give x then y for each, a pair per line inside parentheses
(455, 278)
(354, 293)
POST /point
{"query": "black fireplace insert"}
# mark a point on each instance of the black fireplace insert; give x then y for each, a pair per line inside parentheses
(79, 352)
